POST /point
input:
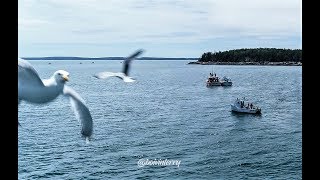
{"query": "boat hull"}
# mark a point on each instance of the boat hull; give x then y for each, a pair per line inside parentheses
(226, 83)
(245, 110)
(213, 84)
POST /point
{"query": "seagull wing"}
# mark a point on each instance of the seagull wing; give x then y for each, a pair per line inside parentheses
(124, 74)
(28, 79)
(80, 110)
(127, 61)
(27, 75)
(105, 75)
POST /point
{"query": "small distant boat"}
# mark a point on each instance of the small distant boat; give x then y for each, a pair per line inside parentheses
(214, 80)
(244, 106)
(226, 81)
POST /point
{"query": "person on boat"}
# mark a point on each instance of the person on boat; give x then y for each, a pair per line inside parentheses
(251, 106)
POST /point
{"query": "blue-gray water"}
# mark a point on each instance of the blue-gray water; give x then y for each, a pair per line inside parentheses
(168, 113)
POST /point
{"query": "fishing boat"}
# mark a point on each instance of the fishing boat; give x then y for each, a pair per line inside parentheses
(213, 80)
(226, 81)
(244, 106)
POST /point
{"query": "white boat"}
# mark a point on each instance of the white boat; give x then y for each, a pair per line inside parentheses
(213, 81)
(244, 106)
(226, 81)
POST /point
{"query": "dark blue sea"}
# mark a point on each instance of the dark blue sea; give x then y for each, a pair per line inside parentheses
(168, 114)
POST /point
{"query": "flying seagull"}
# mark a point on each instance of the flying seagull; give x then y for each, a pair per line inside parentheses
(124, 75)
(32, 89)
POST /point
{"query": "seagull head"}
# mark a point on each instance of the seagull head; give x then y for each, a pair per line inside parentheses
(61, 76)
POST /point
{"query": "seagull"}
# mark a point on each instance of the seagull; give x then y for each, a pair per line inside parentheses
(32, 89)
(124, 75)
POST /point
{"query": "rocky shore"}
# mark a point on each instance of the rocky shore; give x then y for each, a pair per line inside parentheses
(265, 63)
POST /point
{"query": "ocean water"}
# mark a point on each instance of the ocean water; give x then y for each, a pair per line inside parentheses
(167, 114)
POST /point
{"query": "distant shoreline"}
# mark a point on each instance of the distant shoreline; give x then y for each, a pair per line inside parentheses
(103, 58)
(265, 63)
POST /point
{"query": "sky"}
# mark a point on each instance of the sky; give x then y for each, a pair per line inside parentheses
(163, 28)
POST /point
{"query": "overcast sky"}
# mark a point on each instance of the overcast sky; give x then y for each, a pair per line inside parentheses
(164, 28)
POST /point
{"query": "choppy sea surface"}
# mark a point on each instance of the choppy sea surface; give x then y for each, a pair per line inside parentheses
(168, 114)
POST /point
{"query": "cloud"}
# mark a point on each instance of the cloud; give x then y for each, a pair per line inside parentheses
(163, 21)
(259, 17)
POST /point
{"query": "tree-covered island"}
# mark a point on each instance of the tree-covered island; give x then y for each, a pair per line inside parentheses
(254, 56)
